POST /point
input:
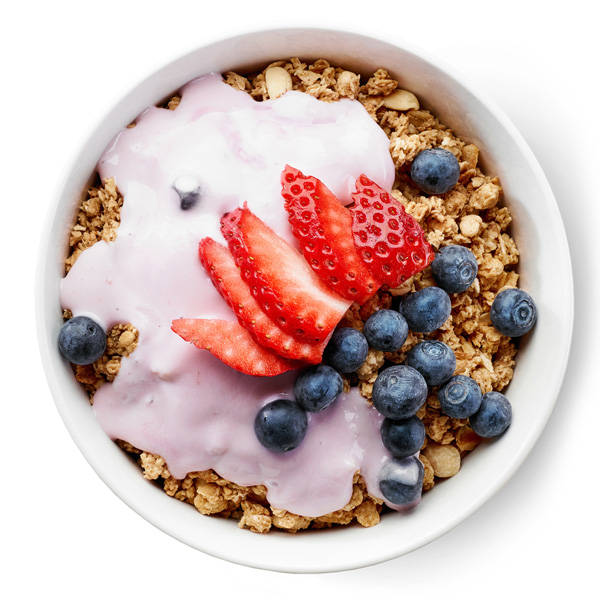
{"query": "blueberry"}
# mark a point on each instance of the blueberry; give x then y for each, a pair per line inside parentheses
(401, 481)
(403, 438)
(454, 268)
(399, 392)
(460, 397)
(188, 190)
(347, 350)
(493, 417)
(281, 425)
(81, 341)
(317, 388)
(434, 360)
(513, 312)
(386, 330)
(435, 171)
(426, 310)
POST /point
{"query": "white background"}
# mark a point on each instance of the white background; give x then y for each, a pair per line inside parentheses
(62, 532)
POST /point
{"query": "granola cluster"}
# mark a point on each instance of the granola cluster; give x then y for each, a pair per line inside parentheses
(98, 218)
(471, 214)
(121, 340)
(213, 495)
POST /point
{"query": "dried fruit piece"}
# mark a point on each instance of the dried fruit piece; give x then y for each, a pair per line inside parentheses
(389, 241)
(225, 275)
(233, 345)
(323, 226)
(280, 279)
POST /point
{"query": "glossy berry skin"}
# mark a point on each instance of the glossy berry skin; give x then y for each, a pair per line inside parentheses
(233, 345)
(347, 350)
(401, 481)
(280, 426)
(81, 341)
(389, 241)
(426, 310)
(513, 312)
(454, 268)
(386, 330)
(280, 279)
(323, 227)
(493, 417)
(399, 392)
(435, 171)
(403, 438)
(434, 360)
(227, 279)
(460, 398)
(317, 388)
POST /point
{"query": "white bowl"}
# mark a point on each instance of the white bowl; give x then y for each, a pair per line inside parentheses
(545, 272)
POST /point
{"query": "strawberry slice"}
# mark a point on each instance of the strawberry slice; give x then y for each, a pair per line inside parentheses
(225, 275)
(389, 241)
(232, 345)
(280, 279)
(323, 227)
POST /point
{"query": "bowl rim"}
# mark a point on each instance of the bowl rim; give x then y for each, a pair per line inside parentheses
(55, 386)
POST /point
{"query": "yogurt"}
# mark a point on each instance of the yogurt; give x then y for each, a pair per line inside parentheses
(170, 398)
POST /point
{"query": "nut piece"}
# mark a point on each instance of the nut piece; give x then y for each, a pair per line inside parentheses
(470, 225)
(401, 100)
(445, 460)
(126, 338)
(278, 81)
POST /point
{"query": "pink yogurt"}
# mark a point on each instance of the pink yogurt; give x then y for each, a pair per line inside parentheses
(170, 398)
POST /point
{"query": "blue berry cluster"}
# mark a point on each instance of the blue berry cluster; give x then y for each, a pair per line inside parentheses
(398, 394)
(401, 390)
(281, 425)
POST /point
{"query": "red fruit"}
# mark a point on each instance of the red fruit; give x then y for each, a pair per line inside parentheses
(225, 275)
(281, 280)
(323, 226)
(232, 345)
(389, 241)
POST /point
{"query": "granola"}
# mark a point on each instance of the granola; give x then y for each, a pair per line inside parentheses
(471, 214)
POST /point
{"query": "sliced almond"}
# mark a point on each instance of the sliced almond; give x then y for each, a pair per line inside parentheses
(278, 81)
(401, 100)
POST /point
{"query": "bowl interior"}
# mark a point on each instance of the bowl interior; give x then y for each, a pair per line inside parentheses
(545, 273)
